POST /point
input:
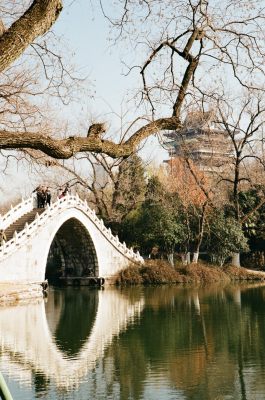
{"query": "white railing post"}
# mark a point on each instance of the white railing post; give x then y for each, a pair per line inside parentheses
(3, 246)
(27, 229)
(16, 212)
(37, 218)
(15, 236)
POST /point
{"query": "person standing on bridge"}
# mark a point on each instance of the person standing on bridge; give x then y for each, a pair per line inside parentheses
(48, 196)
(39, 192)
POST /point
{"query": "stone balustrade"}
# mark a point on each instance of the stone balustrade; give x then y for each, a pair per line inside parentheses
(16, 212)
(20, 238)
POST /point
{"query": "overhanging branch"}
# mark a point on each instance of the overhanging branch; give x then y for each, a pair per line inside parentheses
(66, 148)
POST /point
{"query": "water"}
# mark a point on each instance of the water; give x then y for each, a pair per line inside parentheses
(138, 343)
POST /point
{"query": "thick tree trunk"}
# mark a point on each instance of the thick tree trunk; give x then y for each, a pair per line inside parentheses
(170, 258)
(36, 21)
(195, 257)
(236, 259)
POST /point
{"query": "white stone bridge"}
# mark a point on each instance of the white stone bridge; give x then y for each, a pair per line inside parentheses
(65, 240)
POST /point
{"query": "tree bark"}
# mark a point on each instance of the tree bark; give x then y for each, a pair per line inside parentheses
(170, 257)
(200, 234)
(66, 148)
(195, 257)
(236, 259)
(36, 21)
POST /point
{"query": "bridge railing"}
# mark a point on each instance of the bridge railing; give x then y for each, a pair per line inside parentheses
(68, 201)
(16, 212)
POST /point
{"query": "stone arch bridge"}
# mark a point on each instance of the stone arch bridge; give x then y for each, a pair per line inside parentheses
(65, 240)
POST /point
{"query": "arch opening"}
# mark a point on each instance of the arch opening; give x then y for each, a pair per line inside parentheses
(72, 253)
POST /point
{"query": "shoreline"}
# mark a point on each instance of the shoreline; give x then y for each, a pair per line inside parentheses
(12, 293)
(152, 273)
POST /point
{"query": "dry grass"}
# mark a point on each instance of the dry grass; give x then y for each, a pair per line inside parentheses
(152, 272)
(158, 272)
(203, 273)
(243, 274)
(130, 276)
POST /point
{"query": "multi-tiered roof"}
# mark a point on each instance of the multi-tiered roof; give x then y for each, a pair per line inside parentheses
(200, 140)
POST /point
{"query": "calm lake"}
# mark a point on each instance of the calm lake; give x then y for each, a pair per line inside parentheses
(137, 343)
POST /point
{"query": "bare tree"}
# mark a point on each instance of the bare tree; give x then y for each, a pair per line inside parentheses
(244, 123)
(112, 187)
(189, 35)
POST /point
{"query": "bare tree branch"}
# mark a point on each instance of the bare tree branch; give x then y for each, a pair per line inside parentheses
(66, 148)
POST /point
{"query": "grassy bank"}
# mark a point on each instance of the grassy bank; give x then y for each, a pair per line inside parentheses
(157, 272)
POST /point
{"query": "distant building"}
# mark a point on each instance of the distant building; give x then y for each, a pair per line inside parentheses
(208, 147)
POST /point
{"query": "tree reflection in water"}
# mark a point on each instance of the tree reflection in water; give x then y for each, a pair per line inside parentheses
(141, 343)
(204, 343)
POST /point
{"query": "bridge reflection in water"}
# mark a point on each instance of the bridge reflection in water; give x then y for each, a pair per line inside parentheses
(177, 343)
(60, 342)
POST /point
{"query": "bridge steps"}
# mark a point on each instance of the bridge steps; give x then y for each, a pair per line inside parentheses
(19, 224)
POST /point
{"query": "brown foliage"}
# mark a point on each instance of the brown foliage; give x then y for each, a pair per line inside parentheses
(159, 272)
(181, 179)
(154, 272)
(130, 276)
(236, 273)
(201, 274)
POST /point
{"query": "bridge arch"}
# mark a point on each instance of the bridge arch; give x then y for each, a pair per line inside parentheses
(24, 256)
(72, 252)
